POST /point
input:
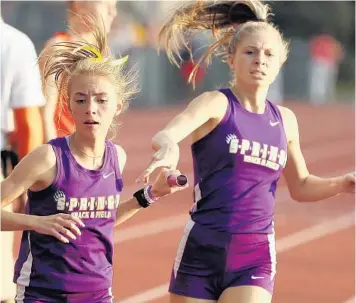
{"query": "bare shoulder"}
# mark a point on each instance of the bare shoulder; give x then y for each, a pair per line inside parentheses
(36, 168)
(34, 165)
(290, 122)
(288, 116)
(282, 109)
(44, 152)
(212, 97)
(41, 157)
(212, 102)
(122, 157)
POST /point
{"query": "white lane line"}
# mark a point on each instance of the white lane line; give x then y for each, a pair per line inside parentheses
(165, 224)
(301, 237)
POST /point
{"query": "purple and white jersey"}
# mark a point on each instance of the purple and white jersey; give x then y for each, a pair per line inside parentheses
(236, 170)
(84, 264)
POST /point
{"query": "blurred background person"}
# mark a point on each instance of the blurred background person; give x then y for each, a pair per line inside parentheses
(21, 124)
(134, 31)
(123, 35)
(325, 56)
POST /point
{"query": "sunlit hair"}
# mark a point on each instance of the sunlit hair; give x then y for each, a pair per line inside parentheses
(72, 58)
(227, 20)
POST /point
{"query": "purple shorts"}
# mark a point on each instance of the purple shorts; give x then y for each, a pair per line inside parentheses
(208, 262)
(41, 295)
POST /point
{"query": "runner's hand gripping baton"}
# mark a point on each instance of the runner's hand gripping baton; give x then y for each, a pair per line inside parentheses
(177, 180)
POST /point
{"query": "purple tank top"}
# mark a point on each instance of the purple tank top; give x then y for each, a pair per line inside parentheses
(236, 169)
(85, 264)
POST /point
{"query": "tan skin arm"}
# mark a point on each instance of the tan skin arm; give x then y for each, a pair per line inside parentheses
(31, 173)
(209, 105)
(27, 173)
(160, 188)
(198, 118)
(130, 207)
(303, 186)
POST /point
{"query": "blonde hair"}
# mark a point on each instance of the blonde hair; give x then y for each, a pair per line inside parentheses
(70, 58)
(227, 20)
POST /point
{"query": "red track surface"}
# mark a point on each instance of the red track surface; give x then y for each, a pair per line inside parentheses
(316, 266)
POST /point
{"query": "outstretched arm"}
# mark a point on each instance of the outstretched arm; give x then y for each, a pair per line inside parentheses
(148, 195)
(303, 186)
(208, 105)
